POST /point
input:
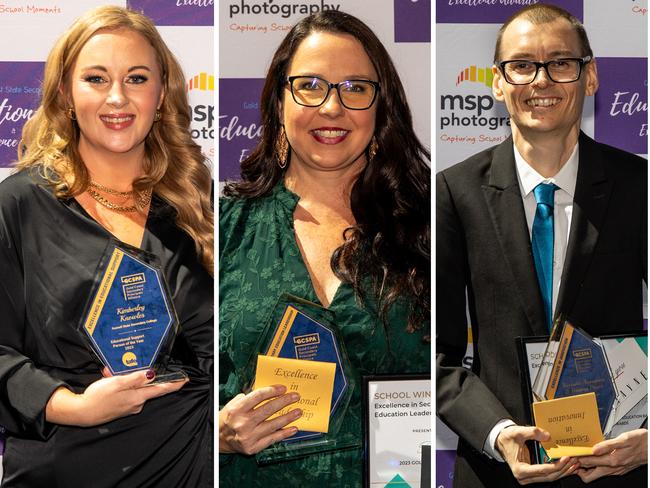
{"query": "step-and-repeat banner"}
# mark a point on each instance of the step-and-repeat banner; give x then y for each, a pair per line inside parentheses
(29, 29)
(251, 30)
(469, 119)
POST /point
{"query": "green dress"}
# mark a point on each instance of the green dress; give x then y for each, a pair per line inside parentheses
(258, 260)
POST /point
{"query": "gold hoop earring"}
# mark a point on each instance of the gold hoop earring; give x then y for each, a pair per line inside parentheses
(157, 116)
(71, 114)
(282, 148)
(372, 149)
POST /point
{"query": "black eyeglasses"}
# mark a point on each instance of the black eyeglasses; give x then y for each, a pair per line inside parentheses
(310, 91)
(524, 72)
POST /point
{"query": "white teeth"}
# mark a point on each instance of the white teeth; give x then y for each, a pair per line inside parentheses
(116, 120)
(542, 102)
(330, 133)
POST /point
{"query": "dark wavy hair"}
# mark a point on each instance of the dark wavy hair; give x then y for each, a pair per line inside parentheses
(389, 246)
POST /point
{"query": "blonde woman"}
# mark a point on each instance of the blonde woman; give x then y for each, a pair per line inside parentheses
(107, 155)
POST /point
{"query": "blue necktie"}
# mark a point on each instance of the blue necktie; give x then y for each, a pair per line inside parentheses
(542, 240)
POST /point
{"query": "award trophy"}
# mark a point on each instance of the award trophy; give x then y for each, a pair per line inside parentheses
(130, 322)
(299, 329)
(579, 366)
(626, 354)
(574, 368)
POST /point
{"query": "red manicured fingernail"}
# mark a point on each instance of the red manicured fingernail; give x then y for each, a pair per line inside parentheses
(150, 374)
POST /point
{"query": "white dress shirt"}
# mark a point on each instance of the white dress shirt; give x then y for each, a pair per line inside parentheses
(565, 180)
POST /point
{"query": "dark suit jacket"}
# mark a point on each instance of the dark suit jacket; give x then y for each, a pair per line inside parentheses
(483, 247)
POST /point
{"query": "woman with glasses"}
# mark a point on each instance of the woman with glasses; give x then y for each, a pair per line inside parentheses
(333, 207)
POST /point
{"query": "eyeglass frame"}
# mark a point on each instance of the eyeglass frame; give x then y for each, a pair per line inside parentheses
(581, 61)
(375, 84)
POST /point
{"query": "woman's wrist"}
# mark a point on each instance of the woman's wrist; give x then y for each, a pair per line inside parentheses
(64, 407)
(224, 446)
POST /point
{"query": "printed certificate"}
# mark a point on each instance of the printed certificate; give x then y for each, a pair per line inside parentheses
(398, 419)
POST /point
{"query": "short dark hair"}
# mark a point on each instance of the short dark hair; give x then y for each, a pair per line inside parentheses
(389, 245)
(541, 13)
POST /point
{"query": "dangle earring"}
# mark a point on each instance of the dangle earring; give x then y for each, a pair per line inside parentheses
(282, 148)
(157, 116)
(71, 114)
(372, 149)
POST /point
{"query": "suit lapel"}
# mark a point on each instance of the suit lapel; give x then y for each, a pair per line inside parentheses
(504, 202)
(590, 201)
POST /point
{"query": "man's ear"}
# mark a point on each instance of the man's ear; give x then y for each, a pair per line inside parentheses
(591, 73)
(497, 79)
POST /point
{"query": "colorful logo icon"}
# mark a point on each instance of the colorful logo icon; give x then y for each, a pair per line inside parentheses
(202, 81)
(129, 359)
(476, 75)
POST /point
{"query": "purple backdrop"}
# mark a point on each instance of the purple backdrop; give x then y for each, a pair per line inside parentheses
(491, 11)
(412, 20)
(176, 12)
(621, 105)
(19, 96)
(445, 468)
(239, 122)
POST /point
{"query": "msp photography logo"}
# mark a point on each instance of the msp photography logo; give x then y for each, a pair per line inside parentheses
(282, 9)
(200, 88)
(471, 108)
(271, 15)
(19, 96)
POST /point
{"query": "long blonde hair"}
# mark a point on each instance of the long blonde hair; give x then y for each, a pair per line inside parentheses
(174, 165)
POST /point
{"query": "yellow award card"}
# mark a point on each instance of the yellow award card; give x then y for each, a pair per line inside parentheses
(312, 380)
(572, 422)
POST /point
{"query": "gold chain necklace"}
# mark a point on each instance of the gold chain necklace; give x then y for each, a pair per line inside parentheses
(143, 198)
(110, 190)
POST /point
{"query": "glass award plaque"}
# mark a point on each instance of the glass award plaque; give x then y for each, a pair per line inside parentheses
(626, 355)
(130, 322)
(579, 366)
(299, 329)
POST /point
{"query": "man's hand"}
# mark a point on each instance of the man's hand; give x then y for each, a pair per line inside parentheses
(616, 456)
(511, 444)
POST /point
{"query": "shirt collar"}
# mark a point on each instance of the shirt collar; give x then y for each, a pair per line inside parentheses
(565, 179)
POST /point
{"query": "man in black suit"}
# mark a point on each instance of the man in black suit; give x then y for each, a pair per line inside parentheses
(487, 210)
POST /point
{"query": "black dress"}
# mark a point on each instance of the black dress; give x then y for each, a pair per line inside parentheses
(49, 251)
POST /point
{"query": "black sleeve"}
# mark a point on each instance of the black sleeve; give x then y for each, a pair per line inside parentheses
(463, 401)
(24, 389)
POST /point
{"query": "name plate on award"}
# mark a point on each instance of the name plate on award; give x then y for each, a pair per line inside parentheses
(130, 321)
(573, 424)
(312, 380)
